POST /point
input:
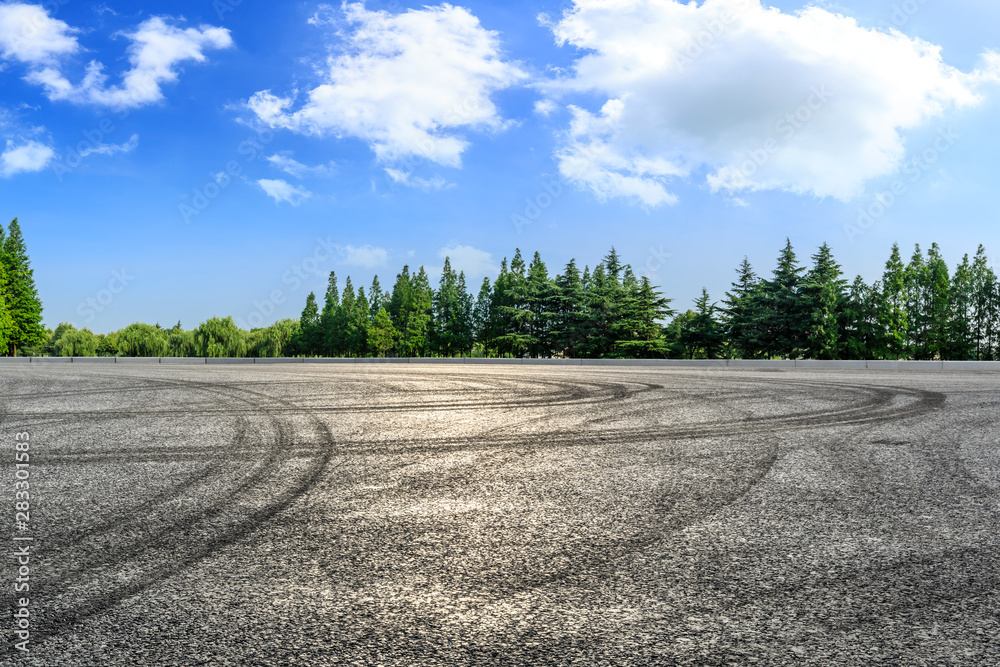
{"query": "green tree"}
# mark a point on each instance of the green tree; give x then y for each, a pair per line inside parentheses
(22, 300)
(76, 343)
(822, 297)
(782, 320)
(307, 340)
(893, 305)
(141, 340)
(740, 316)
(569, 311)
(381, 333)
(703, 334)
(220, 337)
(272, 341)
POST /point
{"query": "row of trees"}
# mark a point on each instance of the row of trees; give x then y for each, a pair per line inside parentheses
(917, 310)
(20, 307)
(525, 312)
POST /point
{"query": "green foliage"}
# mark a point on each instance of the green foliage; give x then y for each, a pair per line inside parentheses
(142, 340)
(76, 343)
(219, 337)
(21, 309)
(381, 333)
(272, 341)
(918, 310)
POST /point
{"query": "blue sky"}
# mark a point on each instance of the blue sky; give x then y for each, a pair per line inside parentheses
(175, 161)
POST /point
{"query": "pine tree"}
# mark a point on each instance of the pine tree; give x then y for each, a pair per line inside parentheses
(22, 300)
(540, 301)
(937, 294)
(782, 321)
(482, 314)
(702, 333)
(381, 333)
(569, 312)
(739, 317)
(960, 343)
(984, 306)
(822, 296)
(916, 306)
(893, 312)
(307, 340)
(328, 338)
(360, 322)
(6, 320)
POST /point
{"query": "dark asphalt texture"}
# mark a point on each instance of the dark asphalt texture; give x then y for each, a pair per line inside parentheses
(504, 515)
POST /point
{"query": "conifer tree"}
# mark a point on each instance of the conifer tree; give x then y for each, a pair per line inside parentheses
(893, 316)
(740, 317)
(822, 296)
(22, 302)
(782, 320)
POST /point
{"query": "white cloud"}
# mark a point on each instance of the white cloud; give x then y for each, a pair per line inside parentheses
(280, 191)
(809, 102)
(293, 167)
(544, 107)
(112, 149)
(366, 256)
(475, 262)
(156, 51)
(408, 179)
(28, 156)
(404, 83)
(29, 35)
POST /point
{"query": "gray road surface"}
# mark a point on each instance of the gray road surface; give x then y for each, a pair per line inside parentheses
(435, 515)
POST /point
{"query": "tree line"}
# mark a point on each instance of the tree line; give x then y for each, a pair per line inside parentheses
(917, 310)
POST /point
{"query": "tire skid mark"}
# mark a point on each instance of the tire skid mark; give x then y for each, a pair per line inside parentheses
(176, 559)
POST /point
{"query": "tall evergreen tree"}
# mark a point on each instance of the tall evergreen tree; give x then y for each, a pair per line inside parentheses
(782, 318)
(822, 297)
(740, 316)
(893, 313)
(328, 336)
(937, 295)
(22, 300)
(482, 316)
(6, 320)
(308, 340)
(569, 311)
(702, 333)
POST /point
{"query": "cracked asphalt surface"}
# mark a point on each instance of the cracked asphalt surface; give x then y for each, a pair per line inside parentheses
(505, 515)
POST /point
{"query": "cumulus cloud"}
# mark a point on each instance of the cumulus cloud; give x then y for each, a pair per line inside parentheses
(29, 35)
(366, 256)
(283, 191)
(293, 167)
(475, 262)
(810, 102)
(24, 157)
(405, 83)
